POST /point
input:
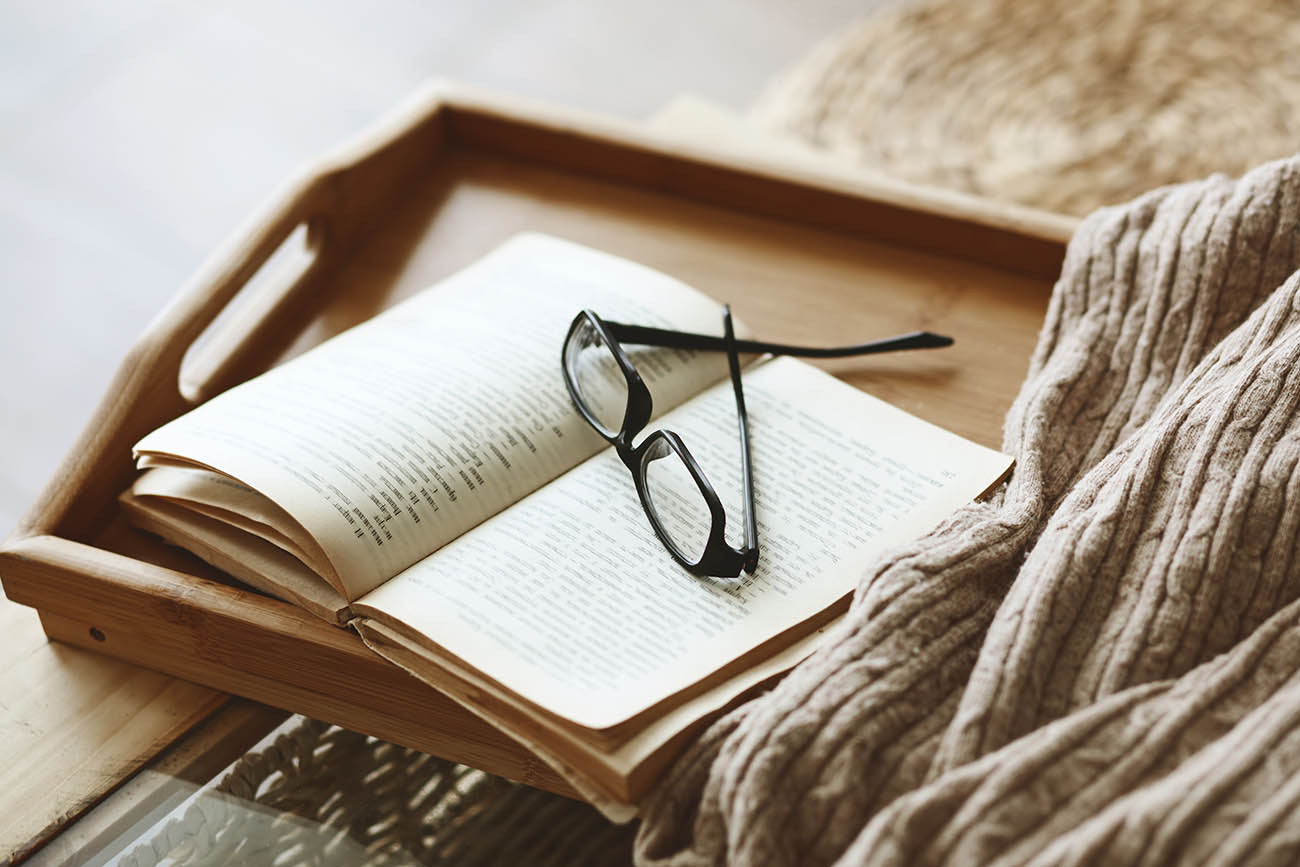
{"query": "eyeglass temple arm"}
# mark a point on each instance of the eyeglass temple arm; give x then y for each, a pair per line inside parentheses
(742, 417)
(648, 336)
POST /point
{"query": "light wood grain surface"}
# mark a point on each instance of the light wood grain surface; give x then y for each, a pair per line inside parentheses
(134, 136)
(73, 723)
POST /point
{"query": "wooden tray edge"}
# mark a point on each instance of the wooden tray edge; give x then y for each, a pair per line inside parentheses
(239, 642)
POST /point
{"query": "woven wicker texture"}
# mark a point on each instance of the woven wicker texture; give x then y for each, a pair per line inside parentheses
(314, 794)
(1062, 104)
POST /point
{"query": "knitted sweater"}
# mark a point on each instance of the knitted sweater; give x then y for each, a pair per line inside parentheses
(1100, 664)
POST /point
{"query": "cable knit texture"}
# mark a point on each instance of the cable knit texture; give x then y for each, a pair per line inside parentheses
(1101, 664)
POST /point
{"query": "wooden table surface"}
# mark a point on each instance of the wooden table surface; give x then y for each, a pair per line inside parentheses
(135, 135)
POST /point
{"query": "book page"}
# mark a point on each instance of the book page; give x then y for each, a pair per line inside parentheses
(400, 434)
(569, 599)
(249, 558)
(222, 499)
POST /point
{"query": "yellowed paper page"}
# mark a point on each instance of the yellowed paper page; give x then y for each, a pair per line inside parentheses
(223, 499)
(404, 432)
(254, 561)
(569, 599)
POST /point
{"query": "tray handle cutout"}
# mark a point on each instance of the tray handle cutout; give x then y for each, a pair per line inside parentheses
(236, 328)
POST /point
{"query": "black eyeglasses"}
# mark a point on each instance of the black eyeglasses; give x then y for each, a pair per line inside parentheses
(682, 506)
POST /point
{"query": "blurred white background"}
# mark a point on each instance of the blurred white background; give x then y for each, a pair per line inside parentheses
(134, 135)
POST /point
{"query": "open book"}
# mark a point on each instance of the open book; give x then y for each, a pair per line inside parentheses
(425, 479)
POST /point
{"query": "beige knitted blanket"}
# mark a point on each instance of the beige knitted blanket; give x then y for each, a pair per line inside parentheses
(1101, 665)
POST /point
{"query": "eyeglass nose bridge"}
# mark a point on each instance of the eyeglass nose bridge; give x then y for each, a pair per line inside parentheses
(631, 457)
(636, 457)
(640, 407)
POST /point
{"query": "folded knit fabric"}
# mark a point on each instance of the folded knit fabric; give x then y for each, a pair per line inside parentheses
(1101, 664)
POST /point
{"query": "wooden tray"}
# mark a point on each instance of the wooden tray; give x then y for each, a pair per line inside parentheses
(803, 256)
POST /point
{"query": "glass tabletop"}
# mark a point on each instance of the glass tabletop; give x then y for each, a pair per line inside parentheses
(254, 785)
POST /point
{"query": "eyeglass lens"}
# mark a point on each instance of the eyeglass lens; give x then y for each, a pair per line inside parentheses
(598, 378)
(675, 500)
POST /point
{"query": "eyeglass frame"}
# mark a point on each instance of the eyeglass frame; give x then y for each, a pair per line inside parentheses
(719, 558)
